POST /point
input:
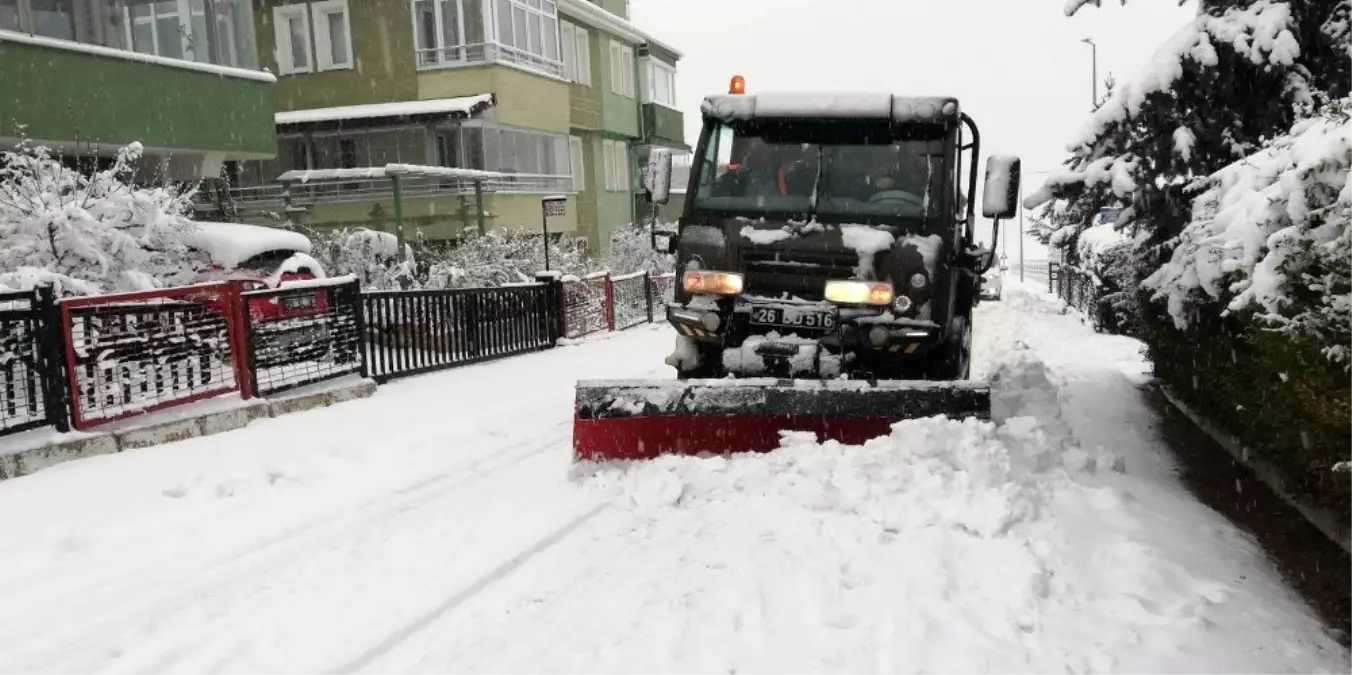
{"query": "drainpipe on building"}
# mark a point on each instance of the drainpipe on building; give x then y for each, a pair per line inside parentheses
(641, 51)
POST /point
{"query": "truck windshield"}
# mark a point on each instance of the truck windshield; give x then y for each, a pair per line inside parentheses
(859, 169)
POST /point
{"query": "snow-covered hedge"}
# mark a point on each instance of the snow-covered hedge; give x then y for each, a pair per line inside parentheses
(372, 256)
(1270, 234)
(90, 233)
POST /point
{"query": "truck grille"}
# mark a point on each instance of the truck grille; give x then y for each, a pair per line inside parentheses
(800, 273)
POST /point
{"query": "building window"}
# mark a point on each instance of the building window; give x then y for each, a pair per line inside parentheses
(621, 69)
(438, 30)
(333, 35)
(9, 15)
(528, 32)
(661, 83)
(513, 150)
(579, 166)
(292, 26)
(576, 53)
(616, 162)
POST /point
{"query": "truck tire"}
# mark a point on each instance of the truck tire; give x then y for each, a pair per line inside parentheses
(953, 359)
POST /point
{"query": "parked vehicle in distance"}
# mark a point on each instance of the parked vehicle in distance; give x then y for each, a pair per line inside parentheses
(268, 258)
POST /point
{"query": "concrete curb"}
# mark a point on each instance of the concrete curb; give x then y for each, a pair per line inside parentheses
(1337, 530)
(206, 424)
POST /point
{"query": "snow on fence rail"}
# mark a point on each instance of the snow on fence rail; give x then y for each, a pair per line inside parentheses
(1078, 288)
(97, 359)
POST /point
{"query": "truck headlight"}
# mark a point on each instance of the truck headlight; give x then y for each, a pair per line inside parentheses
(859, 293)
(712, 283)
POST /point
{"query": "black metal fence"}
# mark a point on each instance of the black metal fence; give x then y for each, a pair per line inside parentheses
(31, 373)
(303, 335)
(1080, 291)
(86, 361)
(413, 332)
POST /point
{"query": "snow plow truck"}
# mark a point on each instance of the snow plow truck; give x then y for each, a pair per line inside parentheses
(827, 268)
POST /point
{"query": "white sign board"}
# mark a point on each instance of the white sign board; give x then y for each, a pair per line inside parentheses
(555, 207)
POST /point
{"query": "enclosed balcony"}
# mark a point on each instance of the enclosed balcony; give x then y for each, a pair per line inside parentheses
(179, 76)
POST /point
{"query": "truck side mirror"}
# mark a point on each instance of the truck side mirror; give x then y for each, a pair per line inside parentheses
(1001, 195)
(657, 180)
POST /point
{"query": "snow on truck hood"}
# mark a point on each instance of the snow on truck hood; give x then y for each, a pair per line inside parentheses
(230, 244)
(865, 240)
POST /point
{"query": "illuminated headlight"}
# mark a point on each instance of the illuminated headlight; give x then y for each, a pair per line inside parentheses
(859, 293)
(902, 304)
(918, 280)
(712, 283)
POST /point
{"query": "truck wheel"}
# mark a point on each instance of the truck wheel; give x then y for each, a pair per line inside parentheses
(953, 359)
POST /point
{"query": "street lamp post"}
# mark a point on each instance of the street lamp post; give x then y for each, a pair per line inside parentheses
(1093, 92)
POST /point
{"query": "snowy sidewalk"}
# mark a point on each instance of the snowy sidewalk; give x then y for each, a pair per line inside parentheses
(434, 527)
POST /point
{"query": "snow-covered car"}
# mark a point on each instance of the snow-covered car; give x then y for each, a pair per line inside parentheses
(993, 282)
(265, 258)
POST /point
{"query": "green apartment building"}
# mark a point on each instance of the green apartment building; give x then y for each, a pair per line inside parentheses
(562, 97)
(86, 77)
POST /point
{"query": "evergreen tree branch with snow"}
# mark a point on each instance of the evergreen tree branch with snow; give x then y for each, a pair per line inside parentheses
(90, 233)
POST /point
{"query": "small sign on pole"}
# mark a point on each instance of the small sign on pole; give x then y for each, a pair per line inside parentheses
(555, 207)
(551, 206)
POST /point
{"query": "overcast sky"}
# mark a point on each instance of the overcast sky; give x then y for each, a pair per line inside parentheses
(1016, 66)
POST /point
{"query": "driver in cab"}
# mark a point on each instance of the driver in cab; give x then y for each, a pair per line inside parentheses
(767, 172)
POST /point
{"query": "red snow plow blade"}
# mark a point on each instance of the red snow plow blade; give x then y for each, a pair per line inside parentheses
(626, 420)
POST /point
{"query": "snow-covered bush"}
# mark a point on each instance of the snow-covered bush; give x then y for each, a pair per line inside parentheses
(371, 255)
(501, 257)
(90, 233)
(631, 250)
(1270, 234)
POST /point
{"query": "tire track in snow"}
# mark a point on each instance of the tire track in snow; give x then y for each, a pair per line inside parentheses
(142, 593)
(424, 620)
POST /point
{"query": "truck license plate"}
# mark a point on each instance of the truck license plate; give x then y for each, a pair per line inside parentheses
(775, 316)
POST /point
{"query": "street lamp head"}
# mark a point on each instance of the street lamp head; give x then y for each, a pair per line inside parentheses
(1088, 41)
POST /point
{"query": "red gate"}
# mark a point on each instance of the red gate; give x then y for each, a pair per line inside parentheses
(132, 353)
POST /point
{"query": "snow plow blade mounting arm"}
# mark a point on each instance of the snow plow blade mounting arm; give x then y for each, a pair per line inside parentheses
(642, 419)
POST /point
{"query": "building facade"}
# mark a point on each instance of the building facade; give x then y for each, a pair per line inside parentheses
(87, 77)
(554, 95)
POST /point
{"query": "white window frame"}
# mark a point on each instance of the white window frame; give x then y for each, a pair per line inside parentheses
(541, 9)
(621, 69)
(616, 165)
(281, 25)
(445, 54)
(654, 65)
(575, 51)
(323, 48)
(183, 13)
(577, 160)
(584, 56)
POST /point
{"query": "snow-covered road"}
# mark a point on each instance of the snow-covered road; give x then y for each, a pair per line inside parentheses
(436, 527)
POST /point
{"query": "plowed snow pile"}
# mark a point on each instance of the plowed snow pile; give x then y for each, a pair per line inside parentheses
(945, 547)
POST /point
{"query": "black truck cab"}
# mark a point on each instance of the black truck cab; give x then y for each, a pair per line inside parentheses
(831, 236)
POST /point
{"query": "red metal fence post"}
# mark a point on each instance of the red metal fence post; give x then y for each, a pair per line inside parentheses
(610, 303)
(240, 344)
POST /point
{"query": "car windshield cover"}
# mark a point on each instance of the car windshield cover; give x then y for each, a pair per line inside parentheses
(837, 169)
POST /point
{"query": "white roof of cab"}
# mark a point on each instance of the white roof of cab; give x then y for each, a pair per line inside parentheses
(826, 104)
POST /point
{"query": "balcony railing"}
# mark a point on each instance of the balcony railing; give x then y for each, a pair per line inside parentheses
(491, 52)
(366, 190)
